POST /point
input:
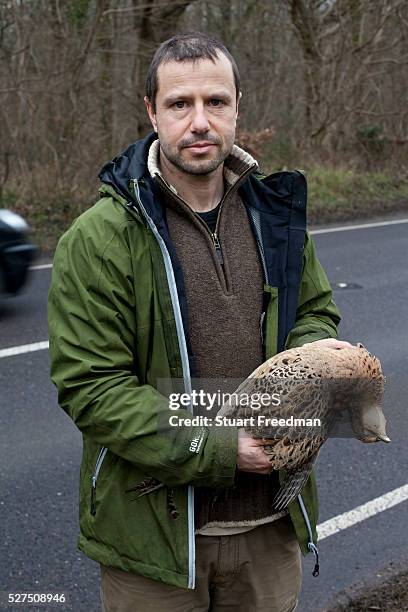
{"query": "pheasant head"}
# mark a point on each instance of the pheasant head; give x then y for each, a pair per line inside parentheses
(367, 418)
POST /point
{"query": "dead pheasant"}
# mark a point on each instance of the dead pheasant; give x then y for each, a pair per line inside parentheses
(312, 382)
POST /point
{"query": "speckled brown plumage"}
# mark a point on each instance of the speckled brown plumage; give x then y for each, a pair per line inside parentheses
(313, 382)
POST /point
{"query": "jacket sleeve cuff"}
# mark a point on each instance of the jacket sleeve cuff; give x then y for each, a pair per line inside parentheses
(225, 448)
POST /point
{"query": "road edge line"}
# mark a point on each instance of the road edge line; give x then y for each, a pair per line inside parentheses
(23, 348)
(363, 512)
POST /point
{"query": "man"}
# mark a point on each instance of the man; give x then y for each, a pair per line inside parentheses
(189, 265)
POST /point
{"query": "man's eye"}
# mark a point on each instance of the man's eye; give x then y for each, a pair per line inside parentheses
(216, 102)
(179, 104)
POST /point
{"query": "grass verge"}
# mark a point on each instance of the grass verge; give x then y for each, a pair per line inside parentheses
(389, 595)
(343, 195)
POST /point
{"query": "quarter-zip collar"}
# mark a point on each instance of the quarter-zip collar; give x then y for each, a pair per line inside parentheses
(237, 167)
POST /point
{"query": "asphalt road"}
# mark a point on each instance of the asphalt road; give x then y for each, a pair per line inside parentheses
(40, 449)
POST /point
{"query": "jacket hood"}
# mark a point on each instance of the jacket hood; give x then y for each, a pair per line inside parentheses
(131, 164)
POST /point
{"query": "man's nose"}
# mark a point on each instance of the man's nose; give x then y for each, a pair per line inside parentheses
(199, 121)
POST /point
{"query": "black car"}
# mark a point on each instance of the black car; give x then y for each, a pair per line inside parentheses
(16, 252)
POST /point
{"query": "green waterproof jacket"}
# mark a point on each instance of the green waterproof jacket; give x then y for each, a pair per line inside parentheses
(115, 333)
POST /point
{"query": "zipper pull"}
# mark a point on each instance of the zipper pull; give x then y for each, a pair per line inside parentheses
(261, 322)
(93, 509)
(217, 246)
(314, 550)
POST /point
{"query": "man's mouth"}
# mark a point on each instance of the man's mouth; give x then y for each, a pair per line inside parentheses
(200, 146)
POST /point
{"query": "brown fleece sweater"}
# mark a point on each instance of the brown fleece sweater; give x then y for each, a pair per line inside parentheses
(224, 296)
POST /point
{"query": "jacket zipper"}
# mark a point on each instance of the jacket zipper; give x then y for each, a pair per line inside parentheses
(185, 366)
(261, 323)
(94, 477)
(254, 214)
(258, 238)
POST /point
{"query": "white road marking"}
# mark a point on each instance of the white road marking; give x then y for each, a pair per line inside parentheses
(24, 348)
(363, 512)
(41, 267)
(346, 228)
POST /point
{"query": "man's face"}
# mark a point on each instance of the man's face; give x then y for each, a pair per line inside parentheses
(196, 112)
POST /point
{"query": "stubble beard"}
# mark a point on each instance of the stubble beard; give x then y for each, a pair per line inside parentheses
(197, 167)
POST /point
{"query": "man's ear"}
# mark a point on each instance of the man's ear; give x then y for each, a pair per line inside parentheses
(150, 112)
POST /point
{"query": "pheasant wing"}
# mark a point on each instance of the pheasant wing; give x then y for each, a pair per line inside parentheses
(293, 484)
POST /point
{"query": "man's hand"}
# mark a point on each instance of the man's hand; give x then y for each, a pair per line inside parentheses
(251, 457)
(331, 343)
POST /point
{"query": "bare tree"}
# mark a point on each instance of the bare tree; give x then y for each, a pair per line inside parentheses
(321, 78)
(344, 43)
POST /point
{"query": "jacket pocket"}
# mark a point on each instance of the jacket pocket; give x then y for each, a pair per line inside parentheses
(94, 477)
(270, 322)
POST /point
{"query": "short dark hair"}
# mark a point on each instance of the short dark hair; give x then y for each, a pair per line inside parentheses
(191, 46)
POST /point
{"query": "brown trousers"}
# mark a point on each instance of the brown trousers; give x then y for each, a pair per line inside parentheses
(246, 572)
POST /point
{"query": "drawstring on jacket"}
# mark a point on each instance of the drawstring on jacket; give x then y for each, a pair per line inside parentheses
(310, 545)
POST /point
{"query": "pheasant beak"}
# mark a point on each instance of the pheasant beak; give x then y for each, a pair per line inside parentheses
(370, 437)
(383, 437)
